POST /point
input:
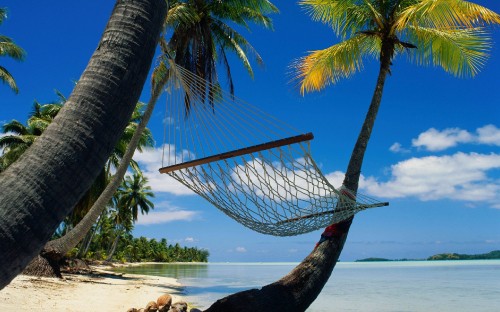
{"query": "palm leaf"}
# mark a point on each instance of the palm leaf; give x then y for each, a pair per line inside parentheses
(461, 52)
(346, 17)
(9, 48)
(446, 14)
(242, 12)
(7, 78)
(181, 14)
(15, 127)
(230, 39)
(322, 67)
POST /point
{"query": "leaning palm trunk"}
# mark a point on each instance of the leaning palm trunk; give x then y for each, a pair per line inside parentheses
(113, 246)
(298, 289)
(42, 187)
(57, 248)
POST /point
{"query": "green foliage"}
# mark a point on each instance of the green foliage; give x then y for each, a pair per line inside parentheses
(449, 34)
(10, 49)
(454, 256)
(373, 259)
(141, 249)
(19, 137)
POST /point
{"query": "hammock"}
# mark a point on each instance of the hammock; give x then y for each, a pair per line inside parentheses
(254, 168)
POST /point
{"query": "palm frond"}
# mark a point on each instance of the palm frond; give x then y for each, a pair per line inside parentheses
(346, 17)
(444, 14)
(242, 12)
(160, 75)
(9, 141)
(181, 13)
(228, 38)
(15, 127)
(7, 78)
(9, 48)
(461, 52)
(322, 67)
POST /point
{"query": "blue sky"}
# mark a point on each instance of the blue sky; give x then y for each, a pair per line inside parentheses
(434, 153)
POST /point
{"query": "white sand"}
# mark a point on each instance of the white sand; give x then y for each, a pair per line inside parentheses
(86, 293)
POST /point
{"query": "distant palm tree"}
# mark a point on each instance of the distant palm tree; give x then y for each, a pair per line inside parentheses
(10, 49)
(134, 195)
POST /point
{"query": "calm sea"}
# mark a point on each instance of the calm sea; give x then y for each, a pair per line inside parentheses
(376, 286)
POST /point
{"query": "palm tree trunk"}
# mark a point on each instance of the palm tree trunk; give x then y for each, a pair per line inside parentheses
(63, 245)
(89, 237)
(296, 291)
(42, 187)
(113, 246)
(353, 172)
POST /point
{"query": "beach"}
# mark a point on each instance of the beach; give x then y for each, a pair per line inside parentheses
(102, 291)
(403, 286)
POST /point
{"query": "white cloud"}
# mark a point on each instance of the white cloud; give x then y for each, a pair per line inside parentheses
(398, 148)
(489, 134)
(459, 176)
(241, 249)
(435, 140)
(165, 213)
(189, 240)
(335, 178)
(151, 161)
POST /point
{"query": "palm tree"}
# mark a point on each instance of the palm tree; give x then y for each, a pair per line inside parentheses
(132, 196)
(19, 137)
(446, 33)
(449, 34)
(10, 49)
(202, 35)
(69, 155)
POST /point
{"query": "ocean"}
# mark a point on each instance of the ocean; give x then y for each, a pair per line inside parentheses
(443, 286)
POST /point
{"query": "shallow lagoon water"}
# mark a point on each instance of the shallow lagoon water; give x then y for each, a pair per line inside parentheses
(353, 286)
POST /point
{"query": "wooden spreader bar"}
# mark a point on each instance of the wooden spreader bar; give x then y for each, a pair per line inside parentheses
(239, 152)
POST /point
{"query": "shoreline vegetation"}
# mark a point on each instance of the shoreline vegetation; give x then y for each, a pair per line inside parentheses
(492, 255)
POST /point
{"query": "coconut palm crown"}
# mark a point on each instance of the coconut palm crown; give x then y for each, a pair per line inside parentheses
(451, 34)
(198, 34)
(445, 33)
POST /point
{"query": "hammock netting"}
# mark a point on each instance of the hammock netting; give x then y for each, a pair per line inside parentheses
(254, 168)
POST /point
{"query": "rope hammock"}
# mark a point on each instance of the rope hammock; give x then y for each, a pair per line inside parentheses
(254, 168)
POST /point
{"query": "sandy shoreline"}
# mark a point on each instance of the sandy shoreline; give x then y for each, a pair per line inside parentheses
(98, 292)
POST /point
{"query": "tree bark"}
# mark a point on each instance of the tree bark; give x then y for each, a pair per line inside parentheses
(353, 172)
(296, 291)
(42, 187)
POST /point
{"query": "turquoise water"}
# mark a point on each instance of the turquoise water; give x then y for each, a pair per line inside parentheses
(376, 286)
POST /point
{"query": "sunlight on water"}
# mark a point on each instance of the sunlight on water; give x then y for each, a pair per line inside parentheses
(370, 286)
